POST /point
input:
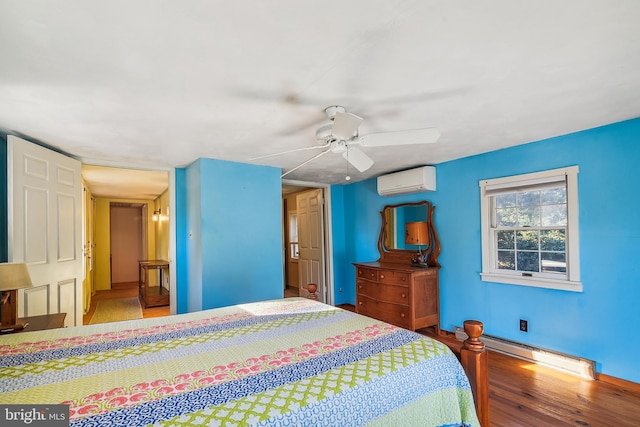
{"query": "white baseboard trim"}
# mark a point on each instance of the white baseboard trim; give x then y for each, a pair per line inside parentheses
(571, 364)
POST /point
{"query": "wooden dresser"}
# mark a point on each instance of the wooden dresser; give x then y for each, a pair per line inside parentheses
(399, 294)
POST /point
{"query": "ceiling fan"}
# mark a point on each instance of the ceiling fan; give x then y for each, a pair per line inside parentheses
(341, 137)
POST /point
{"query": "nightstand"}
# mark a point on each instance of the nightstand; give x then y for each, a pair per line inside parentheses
(44, 322)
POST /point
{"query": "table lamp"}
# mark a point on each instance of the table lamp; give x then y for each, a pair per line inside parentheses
(12, 277)
(417, 233)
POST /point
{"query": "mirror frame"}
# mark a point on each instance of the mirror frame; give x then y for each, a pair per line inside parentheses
(405, 255)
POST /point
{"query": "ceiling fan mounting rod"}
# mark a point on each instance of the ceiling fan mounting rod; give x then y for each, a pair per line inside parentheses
(331, 111)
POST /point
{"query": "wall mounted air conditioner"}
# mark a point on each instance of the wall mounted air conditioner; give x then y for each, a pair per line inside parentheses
(409, 181)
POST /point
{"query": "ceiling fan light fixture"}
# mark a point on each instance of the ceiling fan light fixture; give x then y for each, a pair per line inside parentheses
(324, 132)
(338, 147)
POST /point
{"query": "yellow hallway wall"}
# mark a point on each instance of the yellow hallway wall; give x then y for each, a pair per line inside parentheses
(162, 227)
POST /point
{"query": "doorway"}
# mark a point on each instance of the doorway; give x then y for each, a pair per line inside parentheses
(306, 240)
(132, 221)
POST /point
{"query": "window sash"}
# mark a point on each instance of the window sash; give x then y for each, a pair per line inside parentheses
(539, 251)
(519, 208)
(539, 180)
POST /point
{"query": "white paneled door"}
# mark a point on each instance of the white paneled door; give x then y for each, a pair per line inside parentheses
(311, 242)
(45, 228)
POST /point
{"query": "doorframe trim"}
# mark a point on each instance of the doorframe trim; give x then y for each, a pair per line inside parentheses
(328, 232)
(173, 255)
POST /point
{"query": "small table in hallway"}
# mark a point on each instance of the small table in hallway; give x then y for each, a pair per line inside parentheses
(157, 295)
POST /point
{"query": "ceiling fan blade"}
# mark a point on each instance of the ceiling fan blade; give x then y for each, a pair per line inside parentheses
(314, 147)
(357, 158)
(305, 162)
(402, 137)
(345, 125)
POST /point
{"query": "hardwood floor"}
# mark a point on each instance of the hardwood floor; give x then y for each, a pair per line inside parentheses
(123, 290)
(524, 394)
(290, 292)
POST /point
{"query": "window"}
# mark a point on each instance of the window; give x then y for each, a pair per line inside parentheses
(530, 230)
(293, 236)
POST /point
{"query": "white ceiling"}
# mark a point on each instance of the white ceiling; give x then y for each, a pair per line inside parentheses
(157, 84)
(119, 183)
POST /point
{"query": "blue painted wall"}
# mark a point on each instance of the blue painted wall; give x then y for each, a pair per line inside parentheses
(193, 237)
(594, 324)
(181, 219)
(343, 292)
(233, 234)
(4, 237)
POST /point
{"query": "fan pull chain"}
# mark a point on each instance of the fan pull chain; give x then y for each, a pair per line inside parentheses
(347, 178)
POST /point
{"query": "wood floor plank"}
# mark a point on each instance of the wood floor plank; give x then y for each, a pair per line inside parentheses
(523, 393)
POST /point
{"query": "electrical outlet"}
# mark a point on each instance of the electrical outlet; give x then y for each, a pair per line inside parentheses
(524, 325)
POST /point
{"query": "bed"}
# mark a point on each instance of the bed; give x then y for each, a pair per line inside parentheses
(283, 362)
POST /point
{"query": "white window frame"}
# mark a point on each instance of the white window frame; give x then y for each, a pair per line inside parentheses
(294, 252)
(490, 273)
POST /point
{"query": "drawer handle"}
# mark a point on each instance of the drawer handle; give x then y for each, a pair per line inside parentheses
(402, 315)
(404, 279)
(359, 286)
(373, 274)
(382, 276)
(404, 295)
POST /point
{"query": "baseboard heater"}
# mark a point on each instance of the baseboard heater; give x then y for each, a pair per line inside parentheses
(574, 365)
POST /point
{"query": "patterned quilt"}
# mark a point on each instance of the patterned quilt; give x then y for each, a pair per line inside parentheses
(285, 362)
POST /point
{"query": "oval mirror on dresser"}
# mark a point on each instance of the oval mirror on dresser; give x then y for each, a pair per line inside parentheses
(397, 222)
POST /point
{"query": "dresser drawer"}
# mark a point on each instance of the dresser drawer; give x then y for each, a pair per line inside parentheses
(382, 292)
(395, 314)
(391, 277)
(367, 273)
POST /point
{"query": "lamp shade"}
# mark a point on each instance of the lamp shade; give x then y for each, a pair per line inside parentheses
(416, 233)
(14, 276)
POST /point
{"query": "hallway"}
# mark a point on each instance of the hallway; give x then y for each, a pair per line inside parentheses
(123, 290)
